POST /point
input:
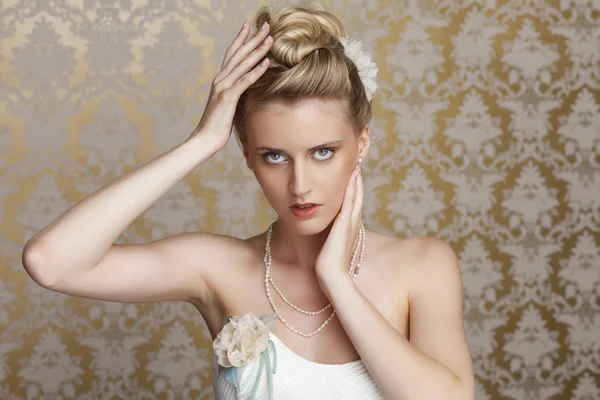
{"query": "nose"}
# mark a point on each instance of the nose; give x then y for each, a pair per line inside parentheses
(299, 185)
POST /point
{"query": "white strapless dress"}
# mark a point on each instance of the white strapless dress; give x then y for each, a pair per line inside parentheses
(299, 378)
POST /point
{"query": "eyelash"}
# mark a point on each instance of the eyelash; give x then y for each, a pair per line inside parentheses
(265, 155)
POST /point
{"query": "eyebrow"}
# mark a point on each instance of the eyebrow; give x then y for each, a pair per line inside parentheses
(332, 143)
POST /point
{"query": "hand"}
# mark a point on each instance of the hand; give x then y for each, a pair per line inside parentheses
(336, 254)
(238, 72)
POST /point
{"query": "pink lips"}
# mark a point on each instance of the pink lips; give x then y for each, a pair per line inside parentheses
(305, 212)
(303, 204)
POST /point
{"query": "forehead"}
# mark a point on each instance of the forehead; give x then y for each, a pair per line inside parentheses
(281, 125)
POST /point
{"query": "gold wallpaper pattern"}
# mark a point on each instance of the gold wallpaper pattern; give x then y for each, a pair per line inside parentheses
(486, 133)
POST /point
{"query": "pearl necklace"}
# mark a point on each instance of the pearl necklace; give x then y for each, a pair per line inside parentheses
(360, 243)
(268, 279)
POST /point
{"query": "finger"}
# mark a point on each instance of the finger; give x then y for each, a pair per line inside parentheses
(358, 200)
(243, 51)
(246, 65)
(237, 42)
(349, 195)
(251, 77)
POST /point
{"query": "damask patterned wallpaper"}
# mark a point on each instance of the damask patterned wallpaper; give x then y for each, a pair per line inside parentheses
(486, 134)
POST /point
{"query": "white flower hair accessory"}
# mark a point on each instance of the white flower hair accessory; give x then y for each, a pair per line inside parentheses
(367, 69)
(243, 340)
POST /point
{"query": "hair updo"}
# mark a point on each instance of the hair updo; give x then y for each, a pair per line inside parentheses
(307, 61)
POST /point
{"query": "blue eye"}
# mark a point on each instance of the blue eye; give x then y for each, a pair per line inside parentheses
(278, 156)
(268, 154)
(326, 149)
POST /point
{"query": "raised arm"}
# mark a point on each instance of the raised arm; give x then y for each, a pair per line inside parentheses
(75, 254)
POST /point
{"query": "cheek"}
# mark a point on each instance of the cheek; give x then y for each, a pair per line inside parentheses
(328, 188)
(333, 185)
(273, 187)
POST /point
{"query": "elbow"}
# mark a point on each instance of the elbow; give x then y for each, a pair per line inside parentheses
(466, 389)
(33, 261)
(457, 389)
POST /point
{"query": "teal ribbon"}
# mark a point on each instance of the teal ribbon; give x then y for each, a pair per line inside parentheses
(266, 360)
(233, 374)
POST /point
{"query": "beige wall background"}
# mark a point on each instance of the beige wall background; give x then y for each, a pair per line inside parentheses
(486, 134)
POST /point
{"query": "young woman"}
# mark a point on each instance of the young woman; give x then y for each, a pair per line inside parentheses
(317, 306)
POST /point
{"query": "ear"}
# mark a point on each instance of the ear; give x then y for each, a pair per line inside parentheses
(245, 152)
(364, 142)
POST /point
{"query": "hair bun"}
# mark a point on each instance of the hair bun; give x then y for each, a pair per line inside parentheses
(308, 62)
(300, 30)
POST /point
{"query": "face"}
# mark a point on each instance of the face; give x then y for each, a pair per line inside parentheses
(304, 154)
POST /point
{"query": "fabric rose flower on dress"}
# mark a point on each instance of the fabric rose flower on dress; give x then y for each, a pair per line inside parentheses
(242, 341)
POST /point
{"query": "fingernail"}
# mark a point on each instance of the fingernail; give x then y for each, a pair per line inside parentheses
(245, 25)
(262, 28)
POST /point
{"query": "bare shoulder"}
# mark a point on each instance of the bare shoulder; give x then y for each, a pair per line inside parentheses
(423, 247)
(212, 254)
(206, 246)
(431, 262)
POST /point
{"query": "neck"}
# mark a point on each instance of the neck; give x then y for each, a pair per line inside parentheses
(298, 250)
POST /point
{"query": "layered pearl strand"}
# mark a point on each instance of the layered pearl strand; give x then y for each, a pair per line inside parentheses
(269, 280)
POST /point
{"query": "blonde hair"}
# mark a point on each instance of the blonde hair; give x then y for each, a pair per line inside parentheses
(307, 61)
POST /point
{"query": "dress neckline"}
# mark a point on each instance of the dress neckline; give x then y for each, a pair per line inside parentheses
(307, 361)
